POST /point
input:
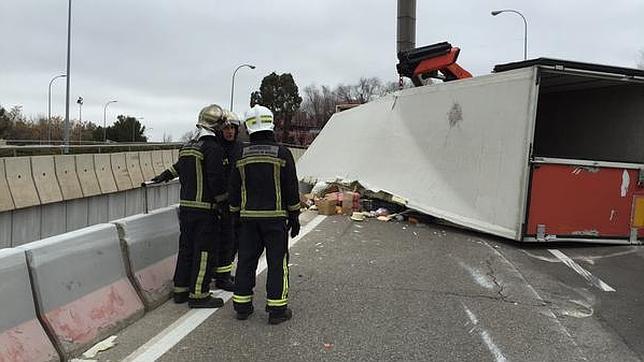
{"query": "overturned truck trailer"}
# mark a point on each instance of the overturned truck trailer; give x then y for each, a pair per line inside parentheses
(541, 150)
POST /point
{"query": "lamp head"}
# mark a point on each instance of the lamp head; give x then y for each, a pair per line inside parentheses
(496, 12)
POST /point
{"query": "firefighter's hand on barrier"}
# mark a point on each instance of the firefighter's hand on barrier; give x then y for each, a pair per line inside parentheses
(165, 176)
(293, 225)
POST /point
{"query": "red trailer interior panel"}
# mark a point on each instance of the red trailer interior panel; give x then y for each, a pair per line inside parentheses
(585, 202)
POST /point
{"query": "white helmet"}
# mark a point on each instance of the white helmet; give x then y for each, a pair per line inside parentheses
(258, 118)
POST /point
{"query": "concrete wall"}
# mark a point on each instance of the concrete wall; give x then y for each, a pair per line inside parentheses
(42, 196)
(67, 284)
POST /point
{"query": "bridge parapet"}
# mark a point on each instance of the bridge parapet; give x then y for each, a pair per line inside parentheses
(42, 196)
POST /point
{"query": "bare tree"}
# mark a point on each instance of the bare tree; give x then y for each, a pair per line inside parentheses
(641, 62)
(319, 103)
(167, 138)
(188, 136)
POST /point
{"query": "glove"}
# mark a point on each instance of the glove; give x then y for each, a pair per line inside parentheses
(165, 176)
(293, 225)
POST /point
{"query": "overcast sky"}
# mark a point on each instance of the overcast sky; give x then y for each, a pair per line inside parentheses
(165, 59)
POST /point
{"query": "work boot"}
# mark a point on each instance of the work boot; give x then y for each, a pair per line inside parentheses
(225, 283)
(180, 298)
(208, 302)
(242, 316)
(279, 317)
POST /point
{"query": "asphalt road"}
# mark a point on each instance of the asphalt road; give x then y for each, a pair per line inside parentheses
(393, 291)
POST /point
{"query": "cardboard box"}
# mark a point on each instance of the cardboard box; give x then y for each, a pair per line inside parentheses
(326, 206)
(347, 203)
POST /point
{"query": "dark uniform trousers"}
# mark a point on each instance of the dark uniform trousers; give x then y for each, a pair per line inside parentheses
(197, 251)
(228, 247)
(255, 235)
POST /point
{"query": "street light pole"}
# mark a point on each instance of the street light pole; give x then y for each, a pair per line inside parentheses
(49, 106)
(525, 28)
(69, 41)
(104, 118)
(80, 119)
(232, 88)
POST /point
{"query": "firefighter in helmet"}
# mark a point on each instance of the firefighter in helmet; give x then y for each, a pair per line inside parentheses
(203, 197)
(231, 146)
(264, 196)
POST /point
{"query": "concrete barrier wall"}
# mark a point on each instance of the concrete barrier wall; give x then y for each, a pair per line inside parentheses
(44, 174)
(174, 190)
(26, 225)
(68, 177)
(97, 209)
(147, 170)
(175, 156)
(41, 196)
(134, 201)
(77, 288)
(21, 184)
(87, 175)
(167, 159)
(119, 169)
(157, 162)
(103, 167)
(22, 337)
(53, 221)
(81, 287)
(6, 201)
(5, 229)
(134, 168)
(157, 196)
(76, 212)
(151, 244)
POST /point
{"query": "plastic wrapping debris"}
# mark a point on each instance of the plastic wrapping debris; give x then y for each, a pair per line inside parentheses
(101, 346)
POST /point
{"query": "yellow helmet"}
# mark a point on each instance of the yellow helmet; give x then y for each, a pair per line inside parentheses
(212, 117)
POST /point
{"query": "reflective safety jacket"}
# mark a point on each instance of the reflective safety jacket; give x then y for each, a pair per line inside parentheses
(200, 169)
(264, 182)
(232, 150)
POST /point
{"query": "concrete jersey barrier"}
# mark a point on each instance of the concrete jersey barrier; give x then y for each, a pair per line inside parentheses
(81, 286)
(87, 175)
(103, 166)
(134, 168)
(22, 337)
(44, 174)
(147, 169)
(67, 177)
(151, 242)
(157, 162)
(21, 184)
(6, 201)
(119, 168)
(167, 158)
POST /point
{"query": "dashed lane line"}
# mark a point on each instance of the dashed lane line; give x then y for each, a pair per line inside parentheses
(485, 336)
(593, 280)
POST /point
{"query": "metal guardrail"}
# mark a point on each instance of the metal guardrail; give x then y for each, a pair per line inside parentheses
(11, 149)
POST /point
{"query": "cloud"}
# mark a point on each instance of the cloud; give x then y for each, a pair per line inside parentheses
(164, 60)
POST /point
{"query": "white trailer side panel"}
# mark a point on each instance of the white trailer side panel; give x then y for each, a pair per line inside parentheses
(456, 150)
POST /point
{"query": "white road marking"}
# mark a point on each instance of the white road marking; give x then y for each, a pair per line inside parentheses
(496, 352)
(593, 280)
(548, 312)
(480, 278)
(173, 334)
